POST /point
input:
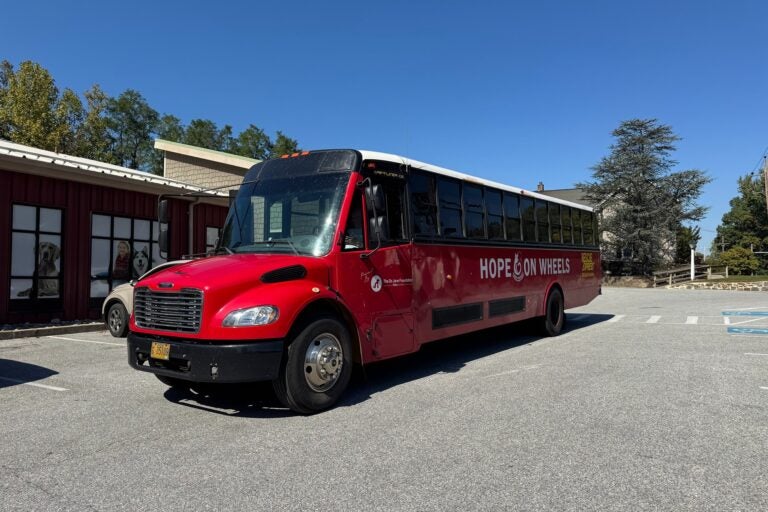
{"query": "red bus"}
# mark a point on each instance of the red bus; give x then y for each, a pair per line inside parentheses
(331, 258)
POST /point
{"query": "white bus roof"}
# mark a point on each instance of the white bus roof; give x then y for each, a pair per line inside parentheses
(375, 155)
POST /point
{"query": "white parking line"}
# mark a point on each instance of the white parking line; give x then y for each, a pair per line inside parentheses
(747, 321)
(726, 320)
(692, 320)
(86, 341)
(52, 388)
(763, 387)
(653, 320)
(616, 318)
(754, 354)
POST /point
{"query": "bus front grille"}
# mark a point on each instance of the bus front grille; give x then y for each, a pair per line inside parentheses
(168, 311)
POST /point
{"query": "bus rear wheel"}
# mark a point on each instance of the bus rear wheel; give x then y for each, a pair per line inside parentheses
(554, 313)
(316, 368)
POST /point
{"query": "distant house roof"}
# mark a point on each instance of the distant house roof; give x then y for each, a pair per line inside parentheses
(206, 154)
(31, 160)
(574, 195)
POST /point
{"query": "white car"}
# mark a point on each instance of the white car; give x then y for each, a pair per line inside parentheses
(117, 307)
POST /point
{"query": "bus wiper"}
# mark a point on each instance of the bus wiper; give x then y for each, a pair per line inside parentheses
(271, 243)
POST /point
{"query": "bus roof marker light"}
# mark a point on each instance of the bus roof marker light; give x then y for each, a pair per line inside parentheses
(294, 155)
(304, 153)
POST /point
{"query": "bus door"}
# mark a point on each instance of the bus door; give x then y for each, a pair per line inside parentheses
(374, 273)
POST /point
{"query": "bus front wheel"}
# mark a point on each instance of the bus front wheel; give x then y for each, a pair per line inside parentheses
(316, 368)
(554, 313)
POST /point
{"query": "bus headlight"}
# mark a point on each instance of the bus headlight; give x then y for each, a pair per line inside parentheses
(258, 315)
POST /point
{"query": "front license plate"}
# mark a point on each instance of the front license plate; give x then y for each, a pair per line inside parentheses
(160, 351)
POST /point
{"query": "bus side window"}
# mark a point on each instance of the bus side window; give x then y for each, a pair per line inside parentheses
(423, 204)
(353, 233)
(529, 220)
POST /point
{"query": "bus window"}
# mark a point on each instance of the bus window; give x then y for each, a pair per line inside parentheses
(577, 226)
(512, 216)
(554, 222)
(449, 196)
(353, 233)
(586, 222)
(542, 221)
(529, 220)
(394, 192)
(474, 214)
(567, 238)
(495, 215)
(423, 204)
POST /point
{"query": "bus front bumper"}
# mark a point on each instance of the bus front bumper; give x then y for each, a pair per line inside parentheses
(205, 362)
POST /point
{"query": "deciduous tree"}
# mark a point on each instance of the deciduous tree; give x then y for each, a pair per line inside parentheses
(131, 123)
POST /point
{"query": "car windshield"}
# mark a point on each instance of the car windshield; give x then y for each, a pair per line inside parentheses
(293, 215)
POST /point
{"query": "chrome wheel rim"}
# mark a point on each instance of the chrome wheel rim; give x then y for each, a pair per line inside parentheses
(115, 320)
(323, 362)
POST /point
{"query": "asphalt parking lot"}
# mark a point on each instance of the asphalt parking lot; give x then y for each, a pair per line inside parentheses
(651, 400)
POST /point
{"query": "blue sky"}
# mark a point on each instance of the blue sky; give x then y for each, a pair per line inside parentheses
(517, 92)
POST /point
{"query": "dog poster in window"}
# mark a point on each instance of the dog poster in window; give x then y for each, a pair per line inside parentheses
(48, 265)
(140, 260)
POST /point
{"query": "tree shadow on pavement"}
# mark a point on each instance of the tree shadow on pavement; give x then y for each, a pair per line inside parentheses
(445, 356)
(13, 373)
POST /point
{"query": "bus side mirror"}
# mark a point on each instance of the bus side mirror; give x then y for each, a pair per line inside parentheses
(374, 199)
(379, 225)
(163, 211)
(163, 240)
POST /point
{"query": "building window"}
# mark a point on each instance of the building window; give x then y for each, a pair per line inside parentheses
(36, 253)
(122, 249)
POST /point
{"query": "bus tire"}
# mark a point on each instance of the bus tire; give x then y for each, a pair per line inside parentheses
(316, 368)
(554, 313)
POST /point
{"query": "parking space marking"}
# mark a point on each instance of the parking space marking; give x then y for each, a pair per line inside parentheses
(754, 354)
(763, 387)
(616, 318)
(726, 320)
(35, 384)
(692, 320)
(745, 313)
(653, 320)
(747, 330)
(86, 341)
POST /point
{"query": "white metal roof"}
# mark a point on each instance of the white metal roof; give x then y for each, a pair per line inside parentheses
(87, 170)
(375, 155)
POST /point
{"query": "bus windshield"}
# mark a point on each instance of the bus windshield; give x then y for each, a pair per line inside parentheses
(294, 215)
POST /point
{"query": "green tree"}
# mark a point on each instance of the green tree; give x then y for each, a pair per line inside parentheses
(283, 146)
(204, 133)
(94, 138)
(740, 260)
(746, 223)
(253, 143)
(643, 200)
(69, 115)
(684, 237)
(28, 107)
(169, 128)
(131, 124)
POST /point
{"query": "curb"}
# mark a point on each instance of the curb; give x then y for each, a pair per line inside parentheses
(37, 332)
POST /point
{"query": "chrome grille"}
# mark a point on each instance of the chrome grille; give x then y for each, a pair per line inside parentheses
(168, 311)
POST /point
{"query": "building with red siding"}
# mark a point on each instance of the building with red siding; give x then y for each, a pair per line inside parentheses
(71, 229)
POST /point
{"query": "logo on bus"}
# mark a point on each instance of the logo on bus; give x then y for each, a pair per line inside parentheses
(376, 283)
(519, 267)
